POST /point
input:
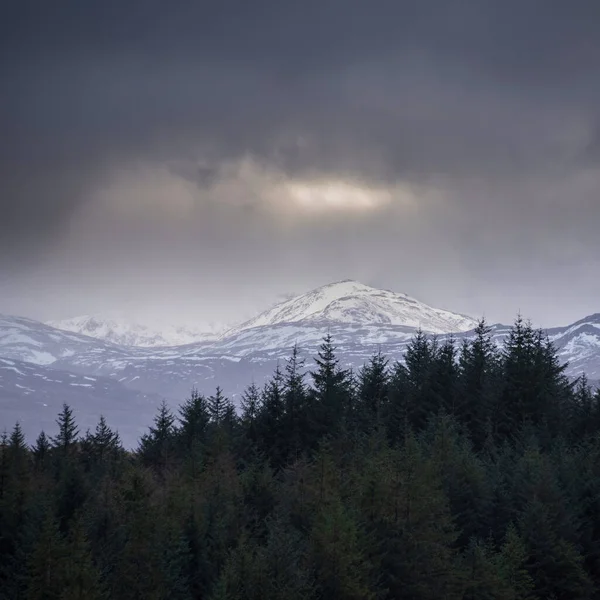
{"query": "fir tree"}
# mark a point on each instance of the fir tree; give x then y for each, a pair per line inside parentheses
(47, 564)
(41, 450)
(422, 400)
(4, 463)
(67, 430)
(342, 567)
(270, 419)
(217, 407)
(331, 389)
(81, 576)
(297, 431)
(103, 445)
(477, 401)
(373, 393)
(157, 446)
(512, 567)
(250, 405)
(18, 452)
(192, 435)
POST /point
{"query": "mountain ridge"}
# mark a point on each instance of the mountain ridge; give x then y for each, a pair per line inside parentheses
(126, 332)
(379, 321)
(350, 302)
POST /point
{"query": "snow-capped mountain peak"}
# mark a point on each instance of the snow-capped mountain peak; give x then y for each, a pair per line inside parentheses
(125, 332)
(353, 303)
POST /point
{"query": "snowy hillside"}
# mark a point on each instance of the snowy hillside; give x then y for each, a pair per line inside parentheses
(579, 345)
(116, 369)
(122, 331)
(353, 303)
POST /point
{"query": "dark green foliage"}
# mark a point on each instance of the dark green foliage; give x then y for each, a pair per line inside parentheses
(331, 390)
(250, 405)
(477, 394)
(67, 430)
(217, 407)
(296, 421)
(157, 447)
(373, 394)
(270, 420)
(464, 472)
(102, 448)
(41, 450)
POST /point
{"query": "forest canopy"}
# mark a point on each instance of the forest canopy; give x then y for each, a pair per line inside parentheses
(466, 471)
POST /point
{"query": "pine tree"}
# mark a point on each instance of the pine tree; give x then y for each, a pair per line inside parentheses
(554, 564)
(217, 407)
(4, 463)
(396, 414)
(81, 576)
(46, 565)
(513, 569)
(286, 562)
(192, 435)
(331, 389)
(534, 383)
(174, 562)
(464, 479)
(67, 430)
(103, 445)
(157, 446)
(445, 376)
(481, 573)
(478, 368)
(422, 400)
(17, 440)
(270, 420)
(251, 406)
(18, 452)
(408, 512)
(296, 420)
(342, 567)
(583, 414)
(41, 450)
(373, 393)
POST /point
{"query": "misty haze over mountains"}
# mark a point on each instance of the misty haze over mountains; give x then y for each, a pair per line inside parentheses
(125, 370)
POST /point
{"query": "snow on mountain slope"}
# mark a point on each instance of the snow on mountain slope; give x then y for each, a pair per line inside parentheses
(579, 345)
(39, 362)
(34, 395)
(119, 330)
(32, 341)
(353, 303)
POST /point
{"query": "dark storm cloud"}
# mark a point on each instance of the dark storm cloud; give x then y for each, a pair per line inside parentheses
(495, 102)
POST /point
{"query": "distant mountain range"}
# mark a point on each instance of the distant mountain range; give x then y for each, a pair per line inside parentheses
(126, 332)
(123, 370)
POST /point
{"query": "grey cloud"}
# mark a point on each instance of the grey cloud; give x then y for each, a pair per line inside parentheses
(494, 103)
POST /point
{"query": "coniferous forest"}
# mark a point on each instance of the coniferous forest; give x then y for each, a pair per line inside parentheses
(466, 472)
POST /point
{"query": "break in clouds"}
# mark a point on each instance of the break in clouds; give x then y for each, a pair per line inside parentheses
(203, 157)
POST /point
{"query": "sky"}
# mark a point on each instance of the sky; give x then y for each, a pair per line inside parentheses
(194, 161)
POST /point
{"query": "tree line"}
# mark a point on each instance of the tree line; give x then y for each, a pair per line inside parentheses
(467, 471)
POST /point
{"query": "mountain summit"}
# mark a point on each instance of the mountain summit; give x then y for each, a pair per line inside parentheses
(353, 303)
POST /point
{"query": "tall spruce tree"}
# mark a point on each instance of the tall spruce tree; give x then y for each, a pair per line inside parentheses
(422, 400)
(41, 450)
(270, 419)
(296, 419)
(478, 382)
(331, 389)
(251, 406)
(217, 406)
(157, 447)
(192, 435)
(67, 430)
(372, 394)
